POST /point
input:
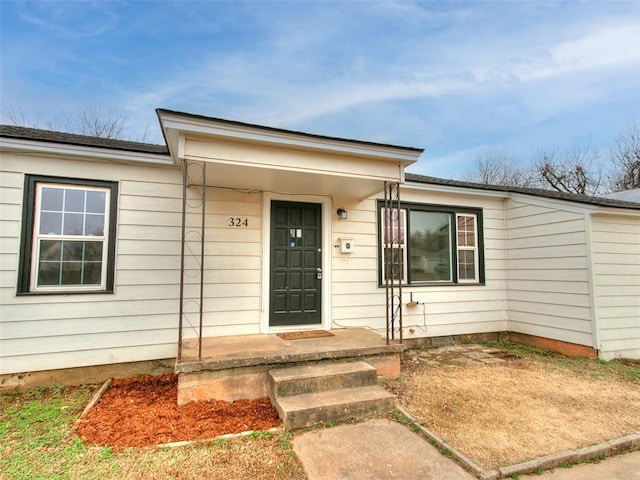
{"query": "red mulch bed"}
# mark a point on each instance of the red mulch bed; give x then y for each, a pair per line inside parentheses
(137, 412)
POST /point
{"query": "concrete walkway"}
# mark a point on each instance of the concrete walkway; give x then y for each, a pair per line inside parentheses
(383, 449)
(376, 449)
(621, 467)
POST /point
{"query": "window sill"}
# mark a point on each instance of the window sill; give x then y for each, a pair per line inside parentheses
(64, 293)
(431, 285)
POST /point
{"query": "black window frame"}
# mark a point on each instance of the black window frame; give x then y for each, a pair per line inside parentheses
(452, 210)
(27, 234)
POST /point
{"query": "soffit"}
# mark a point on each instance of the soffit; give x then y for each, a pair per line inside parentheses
(261, 158)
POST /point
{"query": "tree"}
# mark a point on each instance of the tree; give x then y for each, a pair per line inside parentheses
(498, 168)
(625, 156)
(579, 171)
(16, 116)
(93, 121)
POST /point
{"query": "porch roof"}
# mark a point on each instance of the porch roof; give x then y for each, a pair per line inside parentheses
(253, 157)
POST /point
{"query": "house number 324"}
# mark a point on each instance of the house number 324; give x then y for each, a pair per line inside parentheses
(238, 222)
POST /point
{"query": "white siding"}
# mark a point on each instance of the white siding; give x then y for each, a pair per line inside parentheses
(537, 272)
(615, 244)
(444, 310)
(548, 270)
(232, 263)
(138, 321)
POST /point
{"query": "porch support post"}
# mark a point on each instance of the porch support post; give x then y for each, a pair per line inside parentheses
(188, 285)
(204, 211)
(393, 258)
(182, 242)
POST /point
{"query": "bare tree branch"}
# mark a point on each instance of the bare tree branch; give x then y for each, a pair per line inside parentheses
(625, 156)
(16, 116)
(498, 168)
(579, 171)
(92, 121)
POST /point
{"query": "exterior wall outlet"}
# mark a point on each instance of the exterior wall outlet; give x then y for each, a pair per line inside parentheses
(346, 245)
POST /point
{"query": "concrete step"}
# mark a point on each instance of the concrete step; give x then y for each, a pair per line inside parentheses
(308, 409)
(320, 377)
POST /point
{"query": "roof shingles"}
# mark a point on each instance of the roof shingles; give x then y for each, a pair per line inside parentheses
(25, 133)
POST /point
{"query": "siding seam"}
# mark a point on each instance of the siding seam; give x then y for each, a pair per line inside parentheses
(591, 275)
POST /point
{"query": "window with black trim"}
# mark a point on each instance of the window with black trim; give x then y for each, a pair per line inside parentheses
(431, 245)
(68, 235)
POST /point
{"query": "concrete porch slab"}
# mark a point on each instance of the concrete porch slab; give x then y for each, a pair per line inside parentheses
(220, 353)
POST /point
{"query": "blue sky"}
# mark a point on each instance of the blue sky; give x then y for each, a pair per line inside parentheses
(459, 79)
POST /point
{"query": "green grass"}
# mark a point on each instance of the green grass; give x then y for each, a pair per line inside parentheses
(618, 369)
(407, 422)
(35, 431)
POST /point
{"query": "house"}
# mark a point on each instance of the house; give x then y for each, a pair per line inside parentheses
(116, 252)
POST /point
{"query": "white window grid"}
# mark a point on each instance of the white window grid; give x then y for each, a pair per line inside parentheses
(39, 237)
(470, 219)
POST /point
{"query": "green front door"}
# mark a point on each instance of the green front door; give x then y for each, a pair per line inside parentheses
(296, 266)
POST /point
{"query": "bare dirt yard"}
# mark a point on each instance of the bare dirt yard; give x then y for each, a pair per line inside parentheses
(518, 404)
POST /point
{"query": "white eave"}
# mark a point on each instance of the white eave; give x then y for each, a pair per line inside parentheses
(261, 158)
(82, 151)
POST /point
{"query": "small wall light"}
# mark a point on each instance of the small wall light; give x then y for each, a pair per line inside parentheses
(342, 214)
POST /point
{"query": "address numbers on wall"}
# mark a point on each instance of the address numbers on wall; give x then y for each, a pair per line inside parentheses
(238, 222)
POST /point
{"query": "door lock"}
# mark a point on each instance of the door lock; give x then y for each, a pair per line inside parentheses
(319, 273)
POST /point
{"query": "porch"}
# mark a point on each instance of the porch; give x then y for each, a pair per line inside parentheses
(236, 367)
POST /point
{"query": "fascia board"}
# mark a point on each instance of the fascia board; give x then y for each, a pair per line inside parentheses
(255, 134)
(620, 212)
(77, 151)
(557, 203)
(455, 190)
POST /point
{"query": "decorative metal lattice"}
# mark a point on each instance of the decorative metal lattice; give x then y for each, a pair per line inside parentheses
(194, 200)
(393, 270)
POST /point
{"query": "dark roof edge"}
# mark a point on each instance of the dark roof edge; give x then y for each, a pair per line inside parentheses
(236, 123)
(537, 192)
(36, 134)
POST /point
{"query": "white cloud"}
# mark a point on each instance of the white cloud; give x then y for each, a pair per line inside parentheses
(89, 19)
(599, 50)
